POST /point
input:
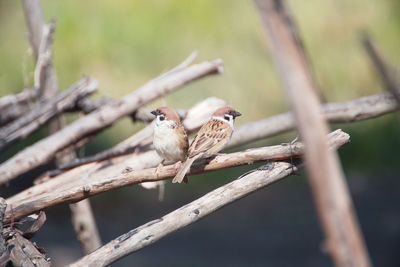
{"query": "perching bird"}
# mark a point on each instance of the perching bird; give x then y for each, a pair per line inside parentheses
(212, 138)
(170, 139)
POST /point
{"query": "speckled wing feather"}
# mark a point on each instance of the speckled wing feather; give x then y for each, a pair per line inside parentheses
(211, 139)
(184, 142)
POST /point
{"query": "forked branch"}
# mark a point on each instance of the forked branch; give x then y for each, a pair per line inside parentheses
(78, 188)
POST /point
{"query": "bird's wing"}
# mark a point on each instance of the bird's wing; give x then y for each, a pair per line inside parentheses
(211, 138)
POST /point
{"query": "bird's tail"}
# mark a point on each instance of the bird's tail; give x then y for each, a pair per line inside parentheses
(183, 170)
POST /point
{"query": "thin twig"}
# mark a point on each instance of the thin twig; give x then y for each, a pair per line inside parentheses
(387, 73)
(17, 105)
(35, 22)
(43, 112)
(344, 239)
(72, 188)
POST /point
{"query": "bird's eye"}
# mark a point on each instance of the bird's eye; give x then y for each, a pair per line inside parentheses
(226, 117)
(162, 117)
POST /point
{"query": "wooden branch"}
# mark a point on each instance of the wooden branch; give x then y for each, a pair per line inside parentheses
(34, 20)
(15, 105)
(27, 95)
(386, 72)
(85, 226)
(87, 105)
(24, 253)
(363, 108)
(77, 187)
(43, 151)
(43, 112)
(344, 238)
(46, 80)
(339, 112)
(153, 231)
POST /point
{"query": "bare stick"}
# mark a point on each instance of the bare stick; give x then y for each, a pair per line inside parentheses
(16, 105)
(344, 239)
(153, 231)
(386, 72)
(35, 22)
(46, 80)
(339, 112)
(26, 95)
(44, 150)
(85, 226)
(43, 112)
(77, 187)
(360, 109)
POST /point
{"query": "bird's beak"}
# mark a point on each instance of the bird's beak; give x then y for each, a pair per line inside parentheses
(154, 112)
(236, 114)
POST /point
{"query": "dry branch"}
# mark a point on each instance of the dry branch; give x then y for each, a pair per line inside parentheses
(44, 150)
(387, 73)
(85, 226)
(35, 22)
(339, 112)
(344, 239)
(87, 105)
(43, 112)
(46, 81)
(363, 108)
(27, 95)
(77, 187)
(15, 105)
(40, 36)
(155, 230)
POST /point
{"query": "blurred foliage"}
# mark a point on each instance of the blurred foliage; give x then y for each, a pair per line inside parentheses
(125, 43)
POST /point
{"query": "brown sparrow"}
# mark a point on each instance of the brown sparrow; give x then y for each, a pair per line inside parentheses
(170, 139)
(211, 138)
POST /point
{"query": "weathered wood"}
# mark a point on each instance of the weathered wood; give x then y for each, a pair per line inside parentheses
(24, 253)
(15, 105)
(72, 188)
(85, 226)
(339, 112)
(153, 231)
(34, 20)
(45, 150)
(344, 239)
(355, 110)
(44, 111)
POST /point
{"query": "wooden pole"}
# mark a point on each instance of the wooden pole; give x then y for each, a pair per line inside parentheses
(344, 239)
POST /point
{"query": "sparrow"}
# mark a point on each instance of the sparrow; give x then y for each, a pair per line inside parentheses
(211, 138)
(170, 139)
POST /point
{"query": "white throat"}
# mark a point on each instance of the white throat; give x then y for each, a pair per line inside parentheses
(230, 122)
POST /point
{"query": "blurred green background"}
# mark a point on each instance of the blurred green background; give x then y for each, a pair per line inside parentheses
(125, 43)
